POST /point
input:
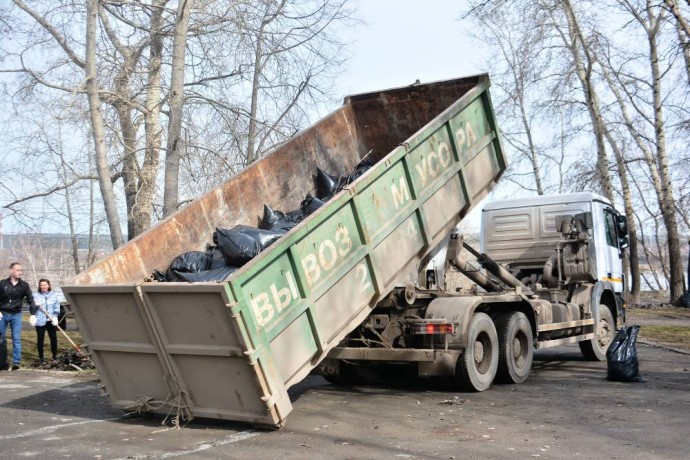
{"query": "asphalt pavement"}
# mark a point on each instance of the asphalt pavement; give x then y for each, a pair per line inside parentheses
(565, 410)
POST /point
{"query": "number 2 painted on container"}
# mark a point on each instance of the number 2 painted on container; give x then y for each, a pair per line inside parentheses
(362, 275)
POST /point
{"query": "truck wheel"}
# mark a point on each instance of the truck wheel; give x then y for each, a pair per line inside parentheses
(515, 348)
(477, 364)
(595, 349)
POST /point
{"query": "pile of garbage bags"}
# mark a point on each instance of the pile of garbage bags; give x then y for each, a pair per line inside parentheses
(234, 247)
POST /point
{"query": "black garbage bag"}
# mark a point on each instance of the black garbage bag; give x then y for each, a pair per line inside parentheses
(237, 248)
(364, 165)
(217, 259)
(685, 300)
(326, 184)
(159, 276)
(265, 238)
(295, 216)
(215, 275)
(310, 204)
(191, 262)
(621, 357)
(277, 221)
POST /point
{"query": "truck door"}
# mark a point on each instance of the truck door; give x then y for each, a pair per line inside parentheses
(612, 267)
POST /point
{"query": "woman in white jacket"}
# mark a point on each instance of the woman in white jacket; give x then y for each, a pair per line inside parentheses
(48, 302)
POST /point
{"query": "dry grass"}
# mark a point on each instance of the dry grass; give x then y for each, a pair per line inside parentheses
(673, 336)
(30, 349)
(667, 312)
(29, 342)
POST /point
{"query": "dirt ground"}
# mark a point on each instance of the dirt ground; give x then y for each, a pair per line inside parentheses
(566, 409)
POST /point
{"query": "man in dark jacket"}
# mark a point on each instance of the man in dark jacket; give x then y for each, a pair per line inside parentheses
(14, 291)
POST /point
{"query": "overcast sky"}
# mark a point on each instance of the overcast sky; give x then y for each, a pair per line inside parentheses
(406, 40)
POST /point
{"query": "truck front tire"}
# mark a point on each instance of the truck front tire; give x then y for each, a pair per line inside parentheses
(515, 348)
(477, 364)
(595, 349)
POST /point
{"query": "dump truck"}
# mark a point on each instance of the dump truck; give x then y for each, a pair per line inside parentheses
(230, 350)
(554, 276)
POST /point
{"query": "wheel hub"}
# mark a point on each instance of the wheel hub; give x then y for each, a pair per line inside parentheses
(604, 333)
(478, 351)
(517, 347)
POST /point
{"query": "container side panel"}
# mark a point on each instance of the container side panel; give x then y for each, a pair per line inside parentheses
(114, 326)
(294, 347)
(208, 351)
(482, 166)
(345, 300)
(273, 292)
(327, 247)
(385, 202)
(469, 127)
(223, 385)
(444, 206)
(135, 378)
(431, 160)
(398, 250)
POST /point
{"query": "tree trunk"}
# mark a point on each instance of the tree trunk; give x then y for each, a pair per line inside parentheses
(256, 82)
(152, 129)
(683, 31)
(172, 160)
(591, 96)
(70, 221)
(98, 127)
(534, 156)
(129, 143)
(668, 201)
(632, 261)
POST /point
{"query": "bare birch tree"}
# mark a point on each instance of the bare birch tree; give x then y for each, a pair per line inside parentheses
(177, 78)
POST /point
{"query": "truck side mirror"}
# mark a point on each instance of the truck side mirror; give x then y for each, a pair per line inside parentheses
(622, 230)
(622, 223)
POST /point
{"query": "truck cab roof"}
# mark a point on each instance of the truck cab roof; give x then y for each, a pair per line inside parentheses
(564, 198)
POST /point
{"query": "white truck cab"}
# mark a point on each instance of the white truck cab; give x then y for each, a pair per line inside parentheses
(522, 234)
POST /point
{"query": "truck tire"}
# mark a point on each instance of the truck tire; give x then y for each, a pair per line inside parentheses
(477, 364)
(595, 349)
(515, 348)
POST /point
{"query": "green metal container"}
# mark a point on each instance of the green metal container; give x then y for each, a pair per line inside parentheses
(231, 350)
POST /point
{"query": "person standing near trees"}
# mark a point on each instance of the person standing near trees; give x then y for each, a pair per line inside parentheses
(15, 290)
(46, 317)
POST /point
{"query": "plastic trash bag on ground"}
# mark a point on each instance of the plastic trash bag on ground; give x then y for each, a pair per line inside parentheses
(621, 357)
(685, 300)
